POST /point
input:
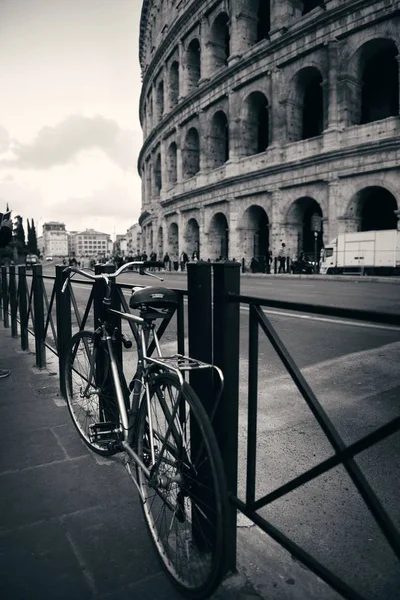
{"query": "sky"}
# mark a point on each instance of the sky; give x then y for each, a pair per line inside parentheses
(69, 125)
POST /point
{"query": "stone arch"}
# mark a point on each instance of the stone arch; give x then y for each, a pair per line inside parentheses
(193, 65)
(191, 153)
(372, 208)
(172, 172)
(258, 14)
(160, 100)
(218, 236)
(174, 84)
(255, 130)
(254, 236)
(298, 227)
(219, 140)
(157, 175)
(160, 243)
(220, 41)
(306, 116)
(309, 5)
(373, 82)
(173, 241)
(192, 238)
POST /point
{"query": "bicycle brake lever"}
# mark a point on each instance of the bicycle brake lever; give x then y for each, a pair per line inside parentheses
(151, 275)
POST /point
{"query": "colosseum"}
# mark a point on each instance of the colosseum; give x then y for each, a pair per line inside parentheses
(267, 121)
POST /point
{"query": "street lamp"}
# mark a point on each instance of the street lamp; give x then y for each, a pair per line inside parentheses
(316, 221)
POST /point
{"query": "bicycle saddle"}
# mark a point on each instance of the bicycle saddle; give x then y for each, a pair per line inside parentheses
(155, 297)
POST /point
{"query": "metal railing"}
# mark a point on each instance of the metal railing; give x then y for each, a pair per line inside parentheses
(213, 325)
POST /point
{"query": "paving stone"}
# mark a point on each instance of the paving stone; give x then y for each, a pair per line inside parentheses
(33, 448)
(38, 563)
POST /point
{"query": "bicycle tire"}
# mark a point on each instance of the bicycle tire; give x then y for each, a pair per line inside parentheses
(190, 536)
(101, 406)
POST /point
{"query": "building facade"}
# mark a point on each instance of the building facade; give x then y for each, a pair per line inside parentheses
(133, 240)
(259, 116)
(90, 243)
(55, 239)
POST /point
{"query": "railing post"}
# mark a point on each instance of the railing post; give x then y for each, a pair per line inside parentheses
(4, 293)
(23, 307)
(13, 302)
(40, 348)
(98, 306)
(226, 356)
(200, 327)
(64, 326)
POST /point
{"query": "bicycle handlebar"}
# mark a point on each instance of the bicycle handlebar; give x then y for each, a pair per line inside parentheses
(106, 276)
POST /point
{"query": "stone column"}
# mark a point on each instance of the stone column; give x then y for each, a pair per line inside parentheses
(234, 127)
(205, 50)
(179, 150)
(278, 109)
(182, 71)
(331, 226)
(204, 138)
(164, 178)
(277, 226)
(332, 84)
(281, 16)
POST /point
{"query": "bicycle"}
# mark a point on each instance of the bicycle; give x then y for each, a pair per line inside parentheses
(160, 425)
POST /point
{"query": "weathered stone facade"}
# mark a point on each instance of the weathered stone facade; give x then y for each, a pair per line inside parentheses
(258, 115)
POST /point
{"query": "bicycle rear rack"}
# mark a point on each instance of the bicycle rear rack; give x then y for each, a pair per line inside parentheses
(178, 364)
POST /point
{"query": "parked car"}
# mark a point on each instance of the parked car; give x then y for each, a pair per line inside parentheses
(302, 266)
(49, 258)
(31, 259)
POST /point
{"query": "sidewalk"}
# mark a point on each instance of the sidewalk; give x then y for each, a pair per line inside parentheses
(66, 528)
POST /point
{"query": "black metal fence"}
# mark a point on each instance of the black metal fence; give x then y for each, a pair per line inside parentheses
(213, 327)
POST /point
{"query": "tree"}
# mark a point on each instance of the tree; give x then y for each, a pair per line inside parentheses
(32, 239)
(19, 233)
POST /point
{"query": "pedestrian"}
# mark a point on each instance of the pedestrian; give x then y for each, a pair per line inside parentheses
(195, 258)
(270, 261)
(254, 265)
(184, 259)
(282, 258)
(167, 261)
(5, 239)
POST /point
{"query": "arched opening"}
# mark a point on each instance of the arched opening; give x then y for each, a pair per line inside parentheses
(172, 163)
(263, 19)
(157, 175)
(191, 154)
(299, 228)
(148, 180)
(219, 140)
(254, 238)
(173, 242)
(174, 84)
(193, 65)
(255, 134)
(160, 100)
(306, 106)
(192, 238)
(309, 5)
(220, 41)
(160, 244)
(313, 107)
(379, 81)
(373, 208)
(218, 237)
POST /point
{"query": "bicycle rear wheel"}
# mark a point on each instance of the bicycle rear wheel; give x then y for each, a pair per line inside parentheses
(185, 503)
(91, 402)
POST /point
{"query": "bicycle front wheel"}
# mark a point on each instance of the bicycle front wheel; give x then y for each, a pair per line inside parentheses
(184, 502)
(91, 402)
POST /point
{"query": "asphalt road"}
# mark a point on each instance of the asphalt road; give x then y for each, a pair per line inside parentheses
(354, 370)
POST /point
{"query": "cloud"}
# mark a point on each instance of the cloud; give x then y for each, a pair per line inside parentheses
(4, 140)
(59, 145)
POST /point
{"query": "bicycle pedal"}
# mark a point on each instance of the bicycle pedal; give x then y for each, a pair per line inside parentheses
(104, 432)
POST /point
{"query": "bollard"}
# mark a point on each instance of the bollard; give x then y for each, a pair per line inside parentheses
(38, 304)
(226, 329)
(64, 326)
(23, 307)
(275, 265)
(288, 264)
(13, 301)
(4, 294)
